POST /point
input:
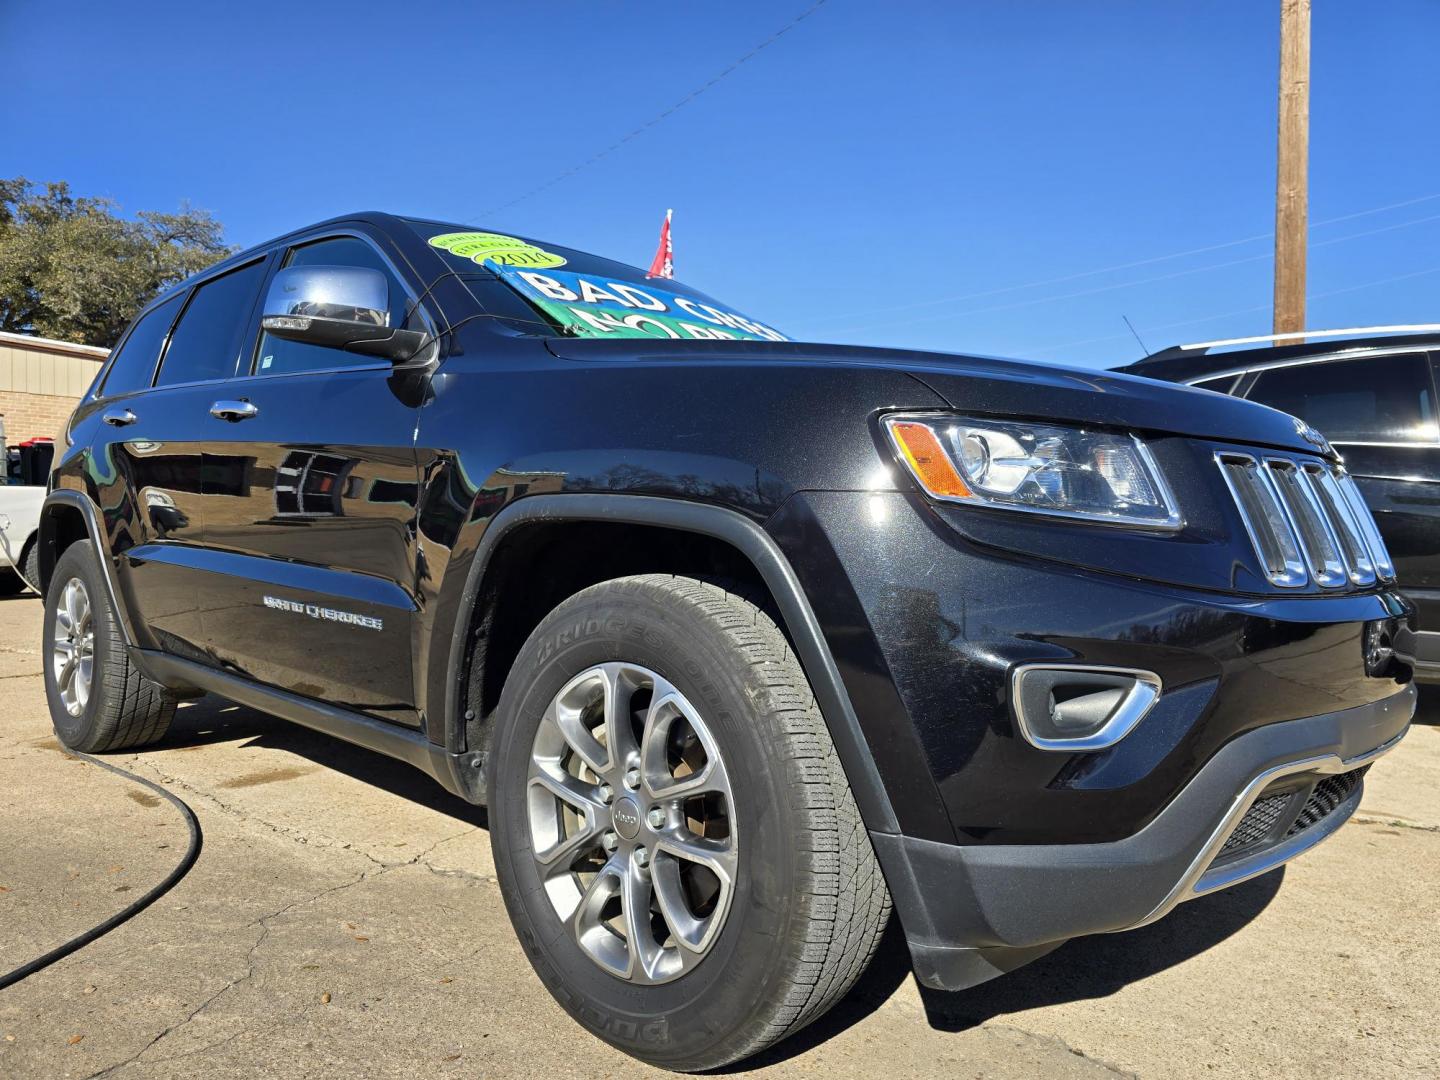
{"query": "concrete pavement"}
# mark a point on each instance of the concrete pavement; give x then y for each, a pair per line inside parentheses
(343, 919)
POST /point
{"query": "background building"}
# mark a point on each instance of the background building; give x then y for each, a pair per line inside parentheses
(40, 382)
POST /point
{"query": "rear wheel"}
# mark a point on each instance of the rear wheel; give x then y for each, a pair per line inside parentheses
(675, 839)
(98, 700)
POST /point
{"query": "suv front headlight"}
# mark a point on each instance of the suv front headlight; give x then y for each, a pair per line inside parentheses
(1041, 468)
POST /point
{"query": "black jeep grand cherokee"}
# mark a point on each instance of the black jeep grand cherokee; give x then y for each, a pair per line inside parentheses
(739, 639)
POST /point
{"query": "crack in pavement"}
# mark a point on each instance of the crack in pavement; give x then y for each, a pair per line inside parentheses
(221, 806)
(264, 922)
(288, 832)
(1399, 823)
(135, 1057)
(1058, 1041)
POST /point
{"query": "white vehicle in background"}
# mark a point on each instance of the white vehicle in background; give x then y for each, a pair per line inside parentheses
(19, 524)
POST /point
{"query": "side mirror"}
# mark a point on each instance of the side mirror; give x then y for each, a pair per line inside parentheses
(339, 307)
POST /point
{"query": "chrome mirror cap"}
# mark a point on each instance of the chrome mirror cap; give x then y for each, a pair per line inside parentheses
(347, 293)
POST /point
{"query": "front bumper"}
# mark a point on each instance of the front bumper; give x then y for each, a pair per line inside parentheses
(1004, 849)
(926, 629)
(972, 912)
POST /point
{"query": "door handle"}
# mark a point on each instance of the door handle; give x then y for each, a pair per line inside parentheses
(233, 410)
(119, 417)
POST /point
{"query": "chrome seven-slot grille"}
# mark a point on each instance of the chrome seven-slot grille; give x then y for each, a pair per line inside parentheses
(1307, 521)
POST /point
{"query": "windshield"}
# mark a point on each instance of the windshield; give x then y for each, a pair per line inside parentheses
(586, 296)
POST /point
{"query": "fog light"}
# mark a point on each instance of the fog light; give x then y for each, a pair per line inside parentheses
(1076, 708)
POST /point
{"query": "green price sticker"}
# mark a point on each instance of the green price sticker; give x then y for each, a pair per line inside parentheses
(507, 250)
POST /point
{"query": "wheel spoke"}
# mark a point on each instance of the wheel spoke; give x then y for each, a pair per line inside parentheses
(670, 896)
(82, 681)
(665, 711)
(558, 841)
(66, 674)
(619, 738)
(583, 797)
(74, 605)
(569, 711)
(645, 951)
(589, 927)
(717, 856)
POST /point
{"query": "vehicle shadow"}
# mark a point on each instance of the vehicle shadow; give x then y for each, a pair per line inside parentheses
(1087, 968)
(1083, 969)
(213, 719)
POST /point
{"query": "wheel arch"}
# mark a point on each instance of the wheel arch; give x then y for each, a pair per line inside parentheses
(725, 542)
(67, 517)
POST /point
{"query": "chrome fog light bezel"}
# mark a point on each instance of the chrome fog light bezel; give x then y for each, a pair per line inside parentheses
(1144, 690)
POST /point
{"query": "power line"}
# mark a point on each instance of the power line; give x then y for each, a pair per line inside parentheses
(959, 298)
(1266, 256)
(686, 100)
(1241, 311)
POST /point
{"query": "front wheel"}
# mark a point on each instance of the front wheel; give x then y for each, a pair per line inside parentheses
(675, 839)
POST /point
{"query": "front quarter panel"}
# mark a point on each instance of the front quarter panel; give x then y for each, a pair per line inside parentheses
(508, 419)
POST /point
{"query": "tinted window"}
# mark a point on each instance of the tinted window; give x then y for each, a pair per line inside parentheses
(276, 356)
(1374, 399)
(206, 341)
(134, 364)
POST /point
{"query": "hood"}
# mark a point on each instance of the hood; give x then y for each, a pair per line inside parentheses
(990, 386)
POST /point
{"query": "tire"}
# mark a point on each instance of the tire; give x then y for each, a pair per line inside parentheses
(806, 903)
(30, 564)
(121, 709)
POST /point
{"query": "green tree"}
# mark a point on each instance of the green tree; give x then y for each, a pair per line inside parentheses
(72, 268)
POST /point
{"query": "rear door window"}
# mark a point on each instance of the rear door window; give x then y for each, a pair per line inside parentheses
(1383, 399)
(206, 343)
(134, 365)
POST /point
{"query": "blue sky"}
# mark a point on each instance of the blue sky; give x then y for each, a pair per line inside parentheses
(944, 175)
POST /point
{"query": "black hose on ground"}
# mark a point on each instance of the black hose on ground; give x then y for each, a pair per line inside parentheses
(192, 852)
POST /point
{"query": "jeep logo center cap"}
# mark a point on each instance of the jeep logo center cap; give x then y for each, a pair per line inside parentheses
(627, 818)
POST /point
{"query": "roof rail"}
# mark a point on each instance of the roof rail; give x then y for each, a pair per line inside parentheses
(1300, 335)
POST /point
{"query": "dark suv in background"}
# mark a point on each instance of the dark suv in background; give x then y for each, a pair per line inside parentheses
(740, 640)
(1372, 393)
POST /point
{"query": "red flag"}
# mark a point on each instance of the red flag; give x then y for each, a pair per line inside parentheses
(663, 265)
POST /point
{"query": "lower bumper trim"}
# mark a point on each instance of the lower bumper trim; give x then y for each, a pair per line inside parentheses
(1201, 879)
(960, 904)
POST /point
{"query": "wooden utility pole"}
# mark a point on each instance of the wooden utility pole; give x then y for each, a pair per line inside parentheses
(1292, 167)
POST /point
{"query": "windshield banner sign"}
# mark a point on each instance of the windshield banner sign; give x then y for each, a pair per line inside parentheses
(592, 306)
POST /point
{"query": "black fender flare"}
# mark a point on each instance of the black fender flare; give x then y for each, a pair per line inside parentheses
(46, 539)
(741, 533)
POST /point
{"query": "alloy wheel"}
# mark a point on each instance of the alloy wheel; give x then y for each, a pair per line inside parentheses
(72, 652)
(632, 822)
